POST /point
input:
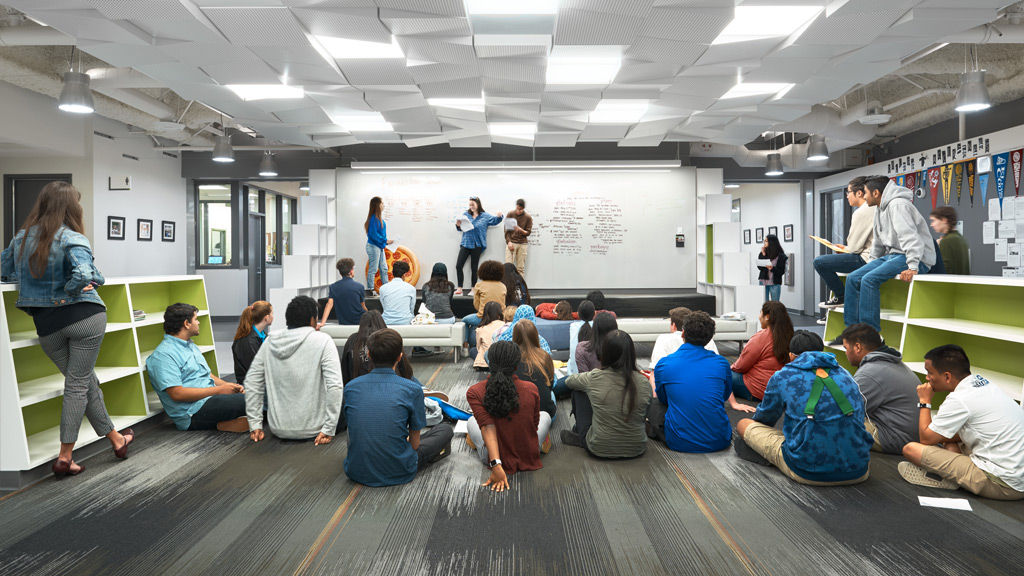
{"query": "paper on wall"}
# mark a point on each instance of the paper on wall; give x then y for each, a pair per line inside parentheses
(988, 232)
(1018, 211)
(1008, 207)
(994, 211)
(950, 503)
(1001, 247)
(1007, 228)
(1020, 230)
(1013, 255)
(1011, 272)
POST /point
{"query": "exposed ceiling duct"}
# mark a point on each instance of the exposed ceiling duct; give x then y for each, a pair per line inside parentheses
(794, 156)
(828, 122)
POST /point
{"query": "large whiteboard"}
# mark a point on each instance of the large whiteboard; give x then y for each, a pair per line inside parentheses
(591, 230)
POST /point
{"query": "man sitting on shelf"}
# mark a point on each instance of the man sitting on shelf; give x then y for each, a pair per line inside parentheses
(669, 343)
(980, 428)
(858, 242)
(692, 384)
(191, 395)
(902, 247)
(889, 388)
(398, 297)
(346, 296)
(823, 441)
(299, 373)
(386, 416)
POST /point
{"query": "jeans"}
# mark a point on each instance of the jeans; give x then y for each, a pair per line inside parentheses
(863, 299)
(378, 261)
(739, 389)
(560, 390)
(432, 443)
(827, 266)
(464, 253)
(583, 412)
(218, 409)
(772, 292)
(471, 321)
(655, 425)
(474, 433)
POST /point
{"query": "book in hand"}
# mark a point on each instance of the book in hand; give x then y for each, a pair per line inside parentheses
(829, 245)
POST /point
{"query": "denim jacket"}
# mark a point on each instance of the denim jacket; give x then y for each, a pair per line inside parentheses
(69, 269)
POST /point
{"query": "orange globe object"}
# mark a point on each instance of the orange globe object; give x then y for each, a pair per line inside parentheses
(401, 253)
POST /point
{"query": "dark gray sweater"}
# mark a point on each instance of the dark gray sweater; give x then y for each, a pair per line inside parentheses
(890, 398)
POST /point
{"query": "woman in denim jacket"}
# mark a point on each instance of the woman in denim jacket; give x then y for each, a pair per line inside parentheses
(52, 263)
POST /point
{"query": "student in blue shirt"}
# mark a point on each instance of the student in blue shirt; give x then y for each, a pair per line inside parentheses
(474, 241)
(376, 239)
(191, 395)
(398, 297)
(345, 296)
(251, 332)
(386, 417)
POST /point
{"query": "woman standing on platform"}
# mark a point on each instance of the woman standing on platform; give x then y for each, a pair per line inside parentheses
(376, 240)
(51, 260)
(765, 354)
(474, 241)
(773, 272)
(251, 332)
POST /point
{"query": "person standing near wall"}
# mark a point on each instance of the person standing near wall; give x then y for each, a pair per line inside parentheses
(474, 241)
(858, 243)
(956, 257)
(51, 260)
(515, 238)
(376, 239)
(773, 272)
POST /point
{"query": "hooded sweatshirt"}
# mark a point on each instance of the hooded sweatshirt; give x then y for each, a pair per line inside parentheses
(890, 398)
(900, 228)
(831, 447)
(299, 373)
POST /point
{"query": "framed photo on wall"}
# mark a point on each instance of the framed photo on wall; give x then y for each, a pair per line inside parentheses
(145, 230)
(746, 236)
(115, 228)
(787, 233)
(167, 231)
(774, 230)
(759, 235)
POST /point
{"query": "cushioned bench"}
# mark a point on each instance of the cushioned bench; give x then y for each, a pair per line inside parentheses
(446, 335)
(556, 332)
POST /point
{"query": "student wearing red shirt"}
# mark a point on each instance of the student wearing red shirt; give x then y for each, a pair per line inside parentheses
(765, 354)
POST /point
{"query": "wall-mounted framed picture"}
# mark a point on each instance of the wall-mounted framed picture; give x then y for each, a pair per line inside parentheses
(787, 233)
(167, 231)
(759, 235)
(115, 227)
(774, 230)
(746, 236)
(145, 230)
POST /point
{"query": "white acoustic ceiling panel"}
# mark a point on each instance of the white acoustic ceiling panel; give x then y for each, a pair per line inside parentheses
(838, 29)
(706, 86)
(555, 139)
(128, 55)
(651, 141)
(738, 52)
(415, 24)
(438, 7)
(458, 50)
(511, 51)
(276, 55)
(507, 86)
(520, 113)
(433, 72)
(638, 71)
(466, 88)
(785, 70)
(689, 25)
(176, 74)
(91, 25)
(273, 26)
(156, 9)
(684, 101)
(552, 123)
(470, 142)
(639, 8)
(331, 141)
(352, 23)
(199, 53)
(668, 51)
(180, 30)
(242, 73)
(376, 71)
(388, 100)
(583, 27)
(242, 112)
(307, 115)
(514, 69)
(427, 140)
(599, 132)
(307, 75)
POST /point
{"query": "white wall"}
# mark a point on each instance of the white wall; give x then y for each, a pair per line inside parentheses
(227, 291)
(774, 204)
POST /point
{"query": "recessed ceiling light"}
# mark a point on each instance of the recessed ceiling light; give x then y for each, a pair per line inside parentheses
(517, 7)
(346, 49)
(732, 186)
(756, 88)
(583, 64)
(757, 22)
(515, 129)
(619, 111)
(214, 187)
(363, 123)
(265, 91)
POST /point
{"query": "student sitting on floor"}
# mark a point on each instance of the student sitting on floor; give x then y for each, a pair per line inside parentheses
(668, 343)
(524, 312)
(191, 395)
(517, 292)
(980, 427)
(585, 313)
(398, 297)
(691, 385)
(536, 367)
(346, 296)
(355, 360)
(251, 332)
(588, 351)
(488, 289)
(507, 422)
(889, 388)
(823, 441)
(764, 354)
(386, 417)
(597, 297)
(609, 404)
(298, 372)
(490, 323)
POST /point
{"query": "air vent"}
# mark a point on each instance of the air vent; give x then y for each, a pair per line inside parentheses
(102, 135)
(169, 155)
(130, 157)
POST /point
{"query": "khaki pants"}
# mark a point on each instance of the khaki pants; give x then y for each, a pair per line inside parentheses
(517, 256)
(962, 470)
(767, 442)
(873, 430)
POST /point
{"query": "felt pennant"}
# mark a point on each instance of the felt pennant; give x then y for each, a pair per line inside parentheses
(933, 184)
(947, 182)
(1015, 158)
(983, 184)
(911, 181)
(970, 180)
(958, 171)
(900, 179)
(1001, 162)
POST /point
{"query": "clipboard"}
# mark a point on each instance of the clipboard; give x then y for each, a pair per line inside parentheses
(829, 245)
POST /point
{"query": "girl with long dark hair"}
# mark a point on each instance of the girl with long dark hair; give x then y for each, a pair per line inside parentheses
(474, 241)
(507, 422)
(251, 332)
(376, 239)
(610, 403)
(536, 367)
(51, 260)
(765, 354)
(355, 360)
(516, 291)
(588, 352)
(773, 273)
(438, 293)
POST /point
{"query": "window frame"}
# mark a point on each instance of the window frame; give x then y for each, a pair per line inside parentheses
(236, 224)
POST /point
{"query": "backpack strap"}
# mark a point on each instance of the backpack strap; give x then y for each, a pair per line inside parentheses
(822, 381)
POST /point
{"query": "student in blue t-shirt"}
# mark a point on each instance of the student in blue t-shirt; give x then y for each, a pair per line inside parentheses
(823, 441)
(474, 241)
(387, 444)
(346, 297)
(692, 385)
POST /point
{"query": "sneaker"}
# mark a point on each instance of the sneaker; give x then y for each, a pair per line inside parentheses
(435, 394)
(837, 341)
(570, 438)
(745, 452)
(458, 291)
(921, 477)
(832, 302)
(822, 321)
(469, 442)
(546, 446)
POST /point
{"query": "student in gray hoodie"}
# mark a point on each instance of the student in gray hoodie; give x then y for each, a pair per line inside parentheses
(902, 247)
(889, 388)
(299, 373)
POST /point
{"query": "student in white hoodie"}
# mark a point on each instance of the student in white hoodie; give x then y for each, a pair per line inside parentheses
(902, 247)
(299, 373)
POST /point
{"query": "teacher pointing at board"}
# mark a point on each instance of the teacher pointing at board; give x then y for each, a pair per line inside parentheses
(474, 238)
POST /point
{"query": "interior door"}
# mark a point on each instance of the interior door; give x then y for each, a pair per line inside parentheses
(835, 218)
(20, 194)
(257, 261)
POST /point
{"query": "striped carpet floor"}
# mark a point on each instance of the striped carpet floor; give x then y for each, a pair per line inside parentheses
(213, 503)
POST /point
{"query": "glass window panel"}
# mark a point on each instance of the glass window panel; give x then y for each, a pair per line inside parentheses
(214, 225)
(287, 209)
(270, 209)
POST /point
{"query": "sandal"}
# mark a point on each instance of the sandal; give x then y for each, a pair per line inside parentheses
(62, 468)
(129, 437)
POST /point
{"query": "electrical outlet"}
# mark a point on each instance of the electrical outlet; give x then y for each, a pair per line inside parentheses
(119, 183)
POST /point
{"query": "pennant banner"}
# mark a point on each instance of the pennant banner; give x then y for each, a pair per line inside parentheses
(933, 184)
(911, 181)
(1001, 162)
(947, 182)
(900, 179)
(958, 171)
(1015, 158)
(983, 184)
(970, 180)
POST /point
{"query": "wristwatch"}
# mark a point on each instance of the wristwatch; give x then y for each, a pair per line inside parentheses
(493, 463)
(924, 405)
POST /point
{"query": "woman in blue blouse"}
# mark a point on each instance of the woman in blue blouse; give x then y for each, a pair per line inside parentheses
(474, 241)
(376, 240)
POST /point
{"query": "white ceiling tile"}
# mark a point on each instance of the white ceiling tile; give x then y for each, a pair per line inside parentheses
(738, 52)
(392, 100)
(598, 132)
(127, 55)
(639, 8)
(443, 72)
(513, 141)
(439, 7)
(417, 141)
(376, 71)
(669, 51)
(352, 23)
(457, 50)
(696, 26)
(505, 98)
(91, 25)
(504, 86)
(638, 72)
(340, 140)
(263, 26)
(466, 88)
(242, 73)
(339, 102)
(470, 142)
(514, 69)
(242, 112)
(631, 92)
(582, 100)
(814, 50)
(840, 29)
(378, 137)
(659, 128)
(785, 70)
(511, 51)
(180, 30)
(555, 139)
(704, 86)
(305, 74)
(650, 141)
(413, 24)
(275, 55)
(583, 27)
(548, 123)
(276, 105)
(308, 115)
(519, 113)
(684, 102)
(175, 74)
(198, 54)
(128, 10)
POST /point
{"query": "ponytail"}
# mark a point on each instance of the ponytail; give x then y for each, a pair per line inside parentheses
(501, 399)
(252, 315)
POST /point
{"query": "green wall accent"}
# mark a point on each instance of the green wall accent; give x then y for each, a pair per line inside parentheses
(155, 297)
(211, 360)
(894, 293)
(116, 298)
(150, 336)
(42, 416)
(990, 353)
(709, 233)
(17, 321)
(124, 396)
(31, 362)
(118, 349)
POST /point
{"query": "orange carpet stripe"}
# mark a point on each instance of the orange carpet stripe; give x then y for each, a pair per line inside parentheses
(318, 544)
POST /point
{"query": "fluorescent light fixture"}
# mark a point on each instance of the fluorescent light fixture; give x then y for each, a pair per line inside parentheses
(346, 49)
(512, 129)
(267, 165)
(758, 22)
(472, 104)
(817, 150)
(507, 7)
(265, 91)
(619, 111)
(774, 165)
(972, 95)
(441, 167)
(304, 186)
(75, 96)
(583, 64)
(363, 123)
(214, 187)
(731, 186)
(222, 150)
(755, 89)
